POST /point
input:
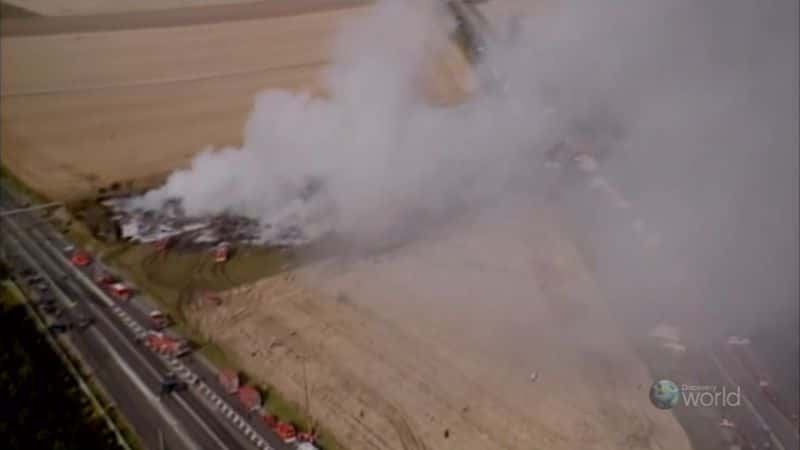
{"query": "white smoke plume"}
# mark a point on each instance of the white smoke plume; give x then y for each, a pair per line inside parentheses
(382, 152)
(702, 97)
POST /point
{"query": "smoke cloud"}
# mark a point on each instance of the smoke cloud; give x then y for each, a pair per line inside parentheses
(697, 101)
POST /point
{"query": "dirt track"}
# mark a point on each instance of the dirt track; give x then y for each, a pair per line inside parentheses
(419, 353)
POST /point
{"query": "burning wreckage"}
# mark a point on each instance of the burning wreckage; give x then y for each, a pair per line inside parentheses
(171, 226)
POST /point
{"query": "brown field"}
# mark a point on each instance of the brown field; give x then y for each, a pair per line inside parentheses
(443, 335)
(83, 110)
(89, 7)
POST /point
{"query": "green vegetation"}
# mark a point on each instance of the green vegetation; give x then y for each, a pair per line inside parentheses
(43, 406)
(20, 187)
(172, 277)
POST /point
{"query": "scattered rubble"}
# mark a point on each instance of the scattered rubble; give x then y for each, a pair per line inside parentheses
(171, 227)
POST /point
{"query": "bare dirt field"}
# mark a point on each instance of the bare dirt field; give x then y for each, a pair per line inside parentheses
(397, 352)
(88, 7)
(83, 110)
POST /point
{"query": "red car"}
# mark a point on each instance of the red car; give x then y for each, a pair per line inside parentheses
(81, 258)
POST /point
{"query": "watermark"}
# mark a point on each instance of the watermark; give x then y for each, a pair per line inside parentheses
(666, 394)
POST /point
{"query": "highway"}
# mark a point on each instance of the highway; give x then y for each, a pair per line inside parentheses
(733, 365)
(618, 232)
(192, 418)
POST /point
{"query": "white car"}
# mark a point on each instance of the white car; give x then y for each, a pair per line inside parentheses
(736, 340)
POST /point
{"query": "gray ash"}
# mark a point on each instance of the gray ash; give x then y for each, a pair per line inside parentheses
(171, 224)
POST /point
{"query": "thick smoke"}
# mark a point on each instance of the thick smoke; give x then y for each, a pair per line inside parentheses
(696, 99)
(386, 157)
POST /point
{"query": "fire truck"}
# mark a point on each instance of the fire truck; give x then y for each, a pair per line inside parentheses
(166, 345)
(222, 252)
(286, 432)
(229, 379)
(249, 397)
(120, 291)
(81, 259)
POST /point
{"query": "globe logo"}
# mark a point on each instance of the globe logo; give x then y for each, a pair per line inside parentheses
(664, 394)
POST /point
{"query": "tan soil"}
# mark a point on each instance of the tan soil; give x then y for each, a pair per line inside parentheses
(80, 111)
(443, 335)
(88, 7)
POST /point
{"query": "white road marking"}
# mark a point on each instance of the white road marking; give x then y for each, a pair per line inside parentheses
(747, 403)
(151, 398)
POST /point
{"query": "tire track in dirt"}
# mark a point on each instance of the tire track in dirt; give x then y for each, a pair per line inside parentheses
(403, 371)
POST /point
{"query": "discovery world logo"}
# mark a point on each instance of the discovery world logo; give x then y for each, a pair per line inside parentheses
(666, 394)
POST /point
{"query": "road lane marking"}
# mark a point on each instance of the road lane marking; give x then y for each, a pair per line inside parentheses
(747, 402)
(48, 247)
(151, 398)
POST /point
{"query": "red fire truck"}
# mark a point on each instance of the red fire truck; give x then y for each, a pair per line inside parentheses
(81, 259)
(249, 397)
(286, 432)
(229, 379)
(221, 253)
(120, 291)
(166, 345)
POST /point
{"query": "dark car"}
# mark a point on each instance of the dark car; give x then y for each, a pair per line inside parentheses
(27, 272)
(170, 383)
(52, 310)
(83, 321)
(59, 327)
